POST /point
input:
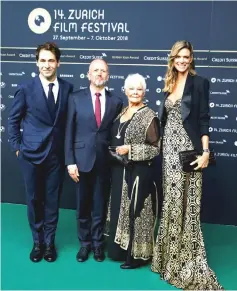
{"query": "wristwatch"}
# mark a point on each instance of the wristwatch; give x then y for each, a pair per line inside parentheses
(206, 150)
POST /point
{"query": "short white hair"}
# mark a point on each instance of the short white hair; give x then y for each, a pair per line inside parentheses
(133, 78)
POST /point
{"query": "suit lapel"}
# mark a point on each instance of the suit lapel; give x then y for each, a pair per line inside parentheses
(89, 107)
(107, 108)
(41, 100)
(187, 98)
(60, 99)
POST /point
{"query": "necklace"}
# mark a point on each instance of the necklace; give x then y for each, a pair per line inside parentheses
(118, 136)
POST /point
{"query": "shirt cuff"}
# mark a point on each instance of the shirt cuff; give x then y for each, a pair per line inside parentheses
(72, 167)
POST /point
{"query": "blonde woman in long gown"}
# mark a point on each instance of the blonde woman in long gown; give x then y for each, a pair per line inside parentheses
(179, 253)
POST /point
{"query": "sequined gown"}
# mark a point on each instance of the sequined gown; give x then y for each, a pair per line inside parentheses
(133, 201)
(179, 253)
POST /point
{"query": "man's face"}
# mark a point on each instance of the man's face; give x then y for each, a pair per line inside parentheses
(47, 64)
(98, 73)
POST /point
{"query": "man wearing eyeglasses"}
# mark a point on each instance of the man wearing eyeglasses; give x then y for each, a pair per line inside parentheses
(90, 115)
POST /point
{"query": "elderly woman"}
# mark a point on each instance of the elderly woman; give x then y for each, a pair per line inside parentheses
(133, 202)
(179, 253)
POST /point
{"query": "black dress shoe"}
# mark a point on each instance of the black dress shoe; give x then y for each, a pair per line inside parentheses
(134, 264)
(37, 252)
(50, 254)
(126, 266)
(99, 254)
(83, 254)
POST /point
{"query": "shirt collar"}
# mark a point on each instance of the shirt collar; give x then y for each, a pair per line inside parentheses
(46, 83)
(102, 92)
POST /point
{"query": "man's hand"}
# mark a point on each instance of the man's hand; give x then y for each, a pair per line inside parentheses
(73, 172)
(17, 153)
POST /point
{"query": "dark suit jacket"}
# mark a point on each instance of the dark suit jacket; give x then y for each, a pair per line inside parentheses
(40, 131)
(194, 109)
(84, 142)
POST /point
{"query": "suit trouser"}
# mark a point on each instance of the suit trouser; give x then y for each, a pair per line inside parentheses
(43, 184)
(92, 197)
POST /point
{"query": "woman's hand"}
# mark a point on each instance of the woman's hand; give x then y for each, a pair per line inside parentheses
(202, 161)
(122, 150)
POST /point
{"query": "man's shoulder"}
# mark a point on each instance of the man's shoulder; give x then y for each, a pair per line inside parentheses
(28, 84)
(115, 96)
(64, 82)
(79, 92)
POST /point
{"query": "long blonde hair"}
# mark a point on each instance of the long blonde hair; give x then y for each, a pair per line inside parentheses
(171, 74)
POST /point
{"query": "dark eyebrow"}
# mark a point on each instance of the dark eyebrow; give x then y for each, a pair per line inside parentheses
(48, 60)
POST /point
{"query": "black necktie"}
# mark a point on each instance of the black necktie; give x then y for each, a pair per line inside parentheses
(51, 101)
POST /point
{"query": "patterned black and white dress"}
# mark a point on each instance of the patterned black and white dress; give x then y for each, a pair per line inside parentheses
(133, 203)
(179, 253)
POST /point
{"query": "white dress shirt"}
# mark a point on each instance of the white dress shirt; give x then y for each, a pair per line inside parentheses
(45, 83)
(102, 100)
(102, 109)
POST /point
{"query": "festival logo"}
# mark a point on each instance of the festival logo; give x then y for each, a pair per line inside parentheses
(39, 20)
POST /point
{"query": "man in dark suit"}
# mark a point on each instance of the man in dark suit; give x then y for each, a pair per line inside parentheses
(40, 107)
(90, 115)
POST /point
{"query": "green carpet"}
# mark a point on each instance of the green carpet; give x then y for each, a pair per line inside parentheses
(19, 273)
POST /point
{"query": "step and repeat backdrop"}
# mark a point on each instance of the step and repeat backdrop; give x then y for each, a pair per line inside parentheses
(132, 37)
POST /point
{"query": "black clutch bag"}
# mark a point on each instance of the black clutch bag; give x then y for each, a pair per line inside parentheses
(187, 157)
(117, 158)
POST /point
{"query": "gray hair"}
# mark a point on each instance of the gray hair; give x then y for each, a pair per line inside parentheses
(132, 78)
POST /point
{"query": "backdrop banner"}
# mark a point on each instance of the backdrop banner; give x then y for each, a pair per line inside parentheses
(133, 37)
